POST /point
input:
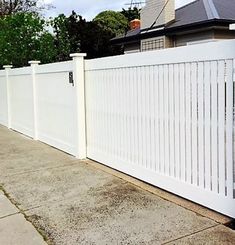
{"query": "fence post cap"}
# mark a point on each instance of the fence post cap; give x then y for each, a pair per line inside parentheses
(7, 66)
(34, 62)
(78, 55)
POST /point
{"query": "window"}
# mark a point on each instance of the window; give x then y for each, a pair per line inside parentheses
(152, 44)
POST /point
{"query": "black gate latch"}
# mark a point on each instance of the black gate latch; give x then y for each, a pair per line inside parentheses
(71, 81)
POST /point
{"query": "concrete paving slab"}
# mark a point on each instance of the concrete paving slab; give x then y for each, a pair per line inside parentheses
(19, 154)
(115, 213)
(217, 235)
(6, 207)
(15, 230)
(53, 185)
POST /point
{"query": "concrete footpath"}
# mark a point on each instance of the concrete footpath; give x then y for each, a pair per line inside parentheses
(14, 228)
(50, 197)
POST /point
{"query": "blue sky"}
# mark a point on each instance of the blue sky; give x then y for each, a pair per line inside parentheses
(89, 8)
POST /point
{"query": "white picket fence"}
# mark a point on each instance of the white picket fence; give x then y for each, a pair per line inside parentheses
(165, 117)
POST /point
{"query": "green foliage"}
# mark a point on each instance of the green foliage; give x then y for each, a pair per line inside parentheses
(114, 22)
(62, 44)
(24, 37)
(131, 13)
(74, 34)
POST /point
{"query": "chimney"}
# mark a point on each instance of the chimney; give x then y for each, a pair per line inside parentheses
(152, 10)
(135, 24)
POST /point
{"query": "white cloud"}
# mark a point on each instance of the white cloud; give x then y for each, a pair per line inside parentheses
(90, 8)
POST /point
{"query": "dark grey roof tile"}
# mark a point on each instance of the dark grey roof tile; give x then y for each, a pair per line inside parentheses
(191, 13)
(225, 9)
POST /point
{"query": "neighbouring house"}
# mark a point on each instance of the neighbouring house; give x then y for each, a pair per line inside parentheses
(161, 26)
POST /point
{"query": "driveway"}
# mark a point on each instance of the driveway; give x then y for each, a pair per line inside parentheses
(72, 202)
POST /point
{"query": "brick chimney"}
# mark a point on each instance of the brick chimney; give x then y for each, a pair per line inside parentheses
(152, 9)
(135, 24)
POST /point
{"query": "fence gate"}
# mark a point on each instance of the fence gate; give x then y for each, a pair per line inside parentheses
(166, 117)
(56, 106)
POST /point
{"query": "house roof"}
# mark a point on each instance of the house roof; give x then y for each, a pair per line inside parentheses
(197, 12)
(204, 10)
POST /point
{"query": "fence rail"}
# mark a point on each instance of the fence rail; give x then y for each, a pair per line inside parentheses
(165, 117)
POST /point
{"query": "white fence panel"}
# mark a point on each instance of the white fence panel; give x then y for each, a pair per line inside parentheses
(166, 117)
(56, 106)
(3, 99)
(21, 100)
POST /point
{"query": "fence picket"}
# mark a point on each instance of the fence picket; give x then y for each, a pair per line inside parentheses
(214, 125)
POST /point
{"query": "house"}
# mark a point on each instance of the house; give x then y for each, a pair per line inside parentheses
(161, 26)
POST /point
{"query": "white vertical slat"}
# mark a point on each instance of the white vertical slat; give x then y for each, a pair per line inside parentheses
(147, 117)
(182, 123)
(127, 114)
(201, 144)
(135, 97)
(123, 113)
(111, 85)
(177, 121)
(171, 117)
(194, 68)
(113, 112)
(207, 84)
(132, 116)
(188, 105)
(104, 112)
(118, 109)
(161, 111)
(140, 116)
(152, 110)
(166, 120)
(229, 129)
(95, 108)
(221, 123)
(214, 125)
(157, 121)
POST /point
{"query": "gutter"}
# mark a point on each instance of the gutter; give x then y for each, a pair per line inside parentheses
(172, 30)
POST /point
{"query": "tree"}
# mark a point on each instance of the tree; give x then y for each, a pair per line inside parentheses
(75, 34)
(8, 7)
(112, 21)
(24, 37)
(131, 13)
(62, 40)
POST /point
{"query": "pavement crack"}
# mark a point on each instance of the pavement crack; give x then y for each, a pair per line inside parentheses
(21, 211)
(9, 215)
(39, 170)
(191, 234)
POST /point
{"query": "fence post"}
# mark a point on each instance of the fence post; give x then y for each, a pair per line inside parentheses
(7, 70)
(79, 83)
(34, 65)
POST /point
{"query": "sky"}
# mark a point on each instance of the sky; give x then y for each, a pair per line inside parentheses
(90, 8)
